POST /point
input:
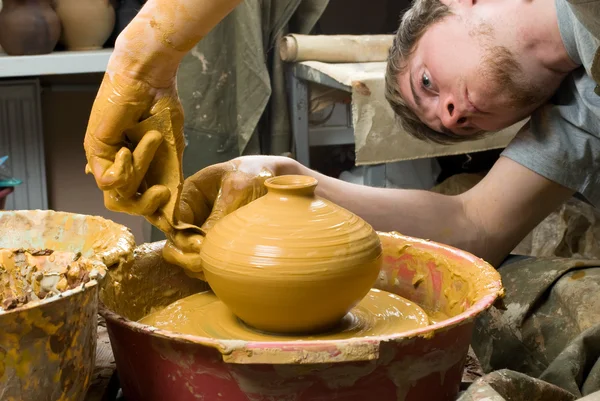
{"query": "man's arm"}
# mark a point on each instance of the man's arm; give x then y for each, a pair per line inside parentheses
(489, 220)
(157, 39)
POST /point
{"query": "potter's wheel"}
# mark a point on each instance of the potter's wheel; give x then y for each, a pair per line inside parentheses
(379, 313)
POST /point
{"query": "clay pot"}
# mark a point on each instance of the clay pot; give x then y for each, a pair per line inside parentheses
(291, 262)
(28, 27)
(87, 24)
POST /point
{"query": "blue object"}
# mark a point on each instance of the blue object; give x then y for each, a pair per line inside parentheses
(5, 180)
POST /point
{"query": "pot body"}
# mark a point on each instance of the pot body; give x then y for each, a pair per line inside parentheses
(28, 27)
(427, 364)
(275, 261)
(87, 24)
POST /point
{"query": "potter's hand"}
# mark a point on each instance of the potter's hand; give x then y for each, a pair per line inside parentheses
(121, 103)
(213, 193)
(140, 82)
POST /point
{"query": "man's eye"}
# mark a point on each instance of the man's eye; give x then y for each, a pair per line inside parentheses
(426, 81)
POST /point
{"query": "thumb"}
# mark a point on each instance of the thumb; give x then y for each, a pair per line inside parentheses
(183, 249)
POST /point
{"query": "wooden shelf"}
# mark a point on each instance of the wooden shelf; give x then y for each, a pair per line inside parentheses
(57, 63)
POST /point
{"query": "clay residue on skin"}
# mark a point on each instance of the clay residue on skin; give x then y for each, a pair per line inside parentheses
(121, 163)
(291, 262)
(33, 275)
(224, 188)
(378, 314)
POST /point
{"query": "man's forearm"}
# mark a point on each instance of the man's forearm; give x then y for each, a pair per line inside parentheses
(489, 220)
(160, 35)
(421, 214)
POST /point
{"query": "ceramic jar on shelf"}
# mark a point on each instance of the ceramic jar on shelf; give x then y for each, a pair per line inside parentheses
(291, 262)
(87, 24)
(28, 27)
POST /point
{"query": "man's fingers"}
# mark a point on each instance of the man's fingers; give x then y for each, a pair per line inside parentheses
(142, 156)
(221, 208)
(113, 175)
(145, 204)
(198, 195)
(183, 250)
(237, 190)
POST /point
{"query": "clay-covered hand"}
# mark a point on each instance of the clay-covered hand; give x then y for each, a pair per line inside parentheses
(121, 103)
(213, 193)
(141, 82)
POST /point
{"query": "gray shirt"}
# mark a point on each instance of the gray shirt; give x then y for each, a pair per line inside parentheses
(562, 140)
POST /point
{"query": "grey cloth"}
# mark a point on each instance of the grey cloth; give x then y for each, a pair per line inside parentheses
(232, 81)
(545, 343)
(562, 139)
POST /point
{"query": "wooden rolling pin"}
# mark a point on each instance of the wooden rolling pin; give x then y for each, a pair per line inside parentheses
(335, 48)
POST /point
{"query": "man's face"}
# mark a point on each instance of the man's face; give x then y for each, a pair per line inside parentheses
(460, 79)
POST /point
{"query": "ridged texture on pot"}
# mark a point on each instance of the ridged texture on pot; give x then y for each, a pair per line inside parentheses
(290, 261)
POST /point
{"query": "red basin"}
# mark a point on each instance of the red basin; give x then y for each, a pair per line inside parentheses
(420, 365)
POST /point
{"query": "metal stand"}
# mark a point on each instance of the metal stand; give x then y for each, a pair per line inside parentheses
(299, 77)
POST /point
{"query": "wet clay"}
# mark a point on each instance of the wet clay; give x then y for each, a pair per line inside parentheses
(379, 313)
(51, 266)
(291, 261)
(96, 238)
(34, 275)
(438, 278)
(419, 365)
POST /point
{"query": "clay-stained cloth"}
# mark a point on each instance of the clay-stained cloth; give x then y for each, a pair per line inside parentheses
(377, 135)
(232, 83)
(545, 345)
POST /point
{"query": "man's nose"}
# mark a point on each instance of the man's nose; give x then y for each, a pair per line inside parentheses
(450, 115)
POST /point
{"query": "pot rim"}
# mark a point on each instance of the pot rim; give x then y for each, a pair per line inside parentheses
(327, 351)
(65, 294)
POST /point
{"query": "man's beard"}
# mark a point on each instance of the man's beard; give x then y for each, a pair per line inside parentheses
(505, 74)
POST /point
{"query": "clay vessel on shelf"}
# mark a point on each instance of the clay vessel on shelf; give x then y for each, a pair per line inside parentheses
(291, 262)
(87, 24)
(28, 27)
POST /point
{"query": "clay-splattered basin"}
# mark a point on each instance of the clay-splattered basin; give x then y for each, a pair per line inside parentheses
(48, 348)
(423, 365)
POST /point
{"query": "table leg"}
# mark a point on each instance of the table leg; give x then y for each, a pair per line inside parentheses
(375, 175)
(298, 105)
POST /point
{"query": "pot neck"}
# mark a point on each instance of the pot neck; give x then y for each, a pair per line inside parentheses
(292, 185)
